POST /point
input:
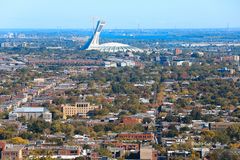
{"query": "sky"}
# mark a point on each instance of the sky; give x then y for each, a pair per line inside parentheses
(120, 14)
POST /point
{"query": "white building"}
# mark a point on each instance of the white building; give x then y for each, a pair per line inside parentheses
(31, 113)
(181, 63)
(110, 64)
(112, 47)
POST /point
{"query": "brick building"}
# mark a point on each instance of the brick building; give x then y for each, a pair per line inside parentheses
(140, 136)
(11, 152)
(178, 51)
(69, 150)
(131, 120)
(125, 146)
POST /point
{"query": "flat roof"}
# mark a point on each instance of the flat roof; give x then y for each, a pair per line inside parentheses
(29, 109)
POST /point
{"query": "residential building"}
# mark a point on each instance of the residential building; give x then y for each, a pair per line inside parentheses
(137, 136)
(11, 152)
(108, 64)
(230, 58)
(129, 120)
(125, 146)
(178, 51)
(220, 125)
(148, 153)
(177, 153)
(69, 150)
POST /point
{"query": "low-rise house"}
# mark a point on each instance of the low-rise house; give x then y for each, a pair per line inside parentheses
(202, 151)
(125, 146)
(148, 153)
(81, 138)
(139, 136)
(6, 106)
(220, 125)
(130, 120)
(176, 140)
(95, 122)
(168, 141)
(167, 107)
(108, 64)
(144, 100)
(70, 151)
(59, 152)
(11, 152)
(116, 152)
(177, 153)
(210, 112)
(199, 124)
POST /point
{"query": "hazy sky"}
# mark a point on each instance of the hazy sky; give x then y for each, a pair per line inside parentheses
(120, 13)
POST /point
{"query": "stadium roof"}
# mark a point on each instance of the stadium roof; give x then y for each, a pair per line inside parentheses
(93, 43)
(116, 47)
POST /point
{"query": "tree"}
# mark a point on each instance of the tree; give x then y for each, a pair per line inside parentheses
(39, 152)
(105, 152)
(208, 135)
(4, 115)
(56, 127)
(101, 112)
(187, 119)
(161, 149)
(223, 155)
(98, 128)
(160, 96)
(234, 145)
(80, 158)
(26, 135)
(171, 118)
(222, 137)
(196, 114)
(234, 132)
(59, 101)
(68, 129)
(147, 120)
(6, 134)
(38, 126)
(18, 140)
(86, 146)
(184, 129)
(56, 112)
(181, 103)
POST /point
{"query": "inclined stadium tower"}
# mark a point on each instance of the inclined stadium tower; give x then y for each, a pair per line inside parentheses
(112, 47)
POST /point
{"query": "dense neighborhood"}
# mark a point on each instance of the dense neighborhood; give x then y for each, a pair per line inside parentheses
(173, 101)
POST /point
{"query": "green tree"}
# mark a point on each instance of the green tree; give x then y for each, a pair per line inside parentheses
(196, 114)
(18, 140)
(105, 152)
(38, 126)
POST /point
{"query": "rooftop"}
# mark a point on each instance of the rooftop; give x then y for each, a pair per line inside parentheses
(30, 109)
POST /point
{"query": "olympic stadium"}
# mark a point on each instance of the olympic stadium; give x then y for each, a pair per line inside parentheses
(112, 47)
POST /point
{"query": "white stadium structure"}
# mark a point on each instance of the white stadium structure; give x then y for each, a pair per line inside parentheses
(112, 47)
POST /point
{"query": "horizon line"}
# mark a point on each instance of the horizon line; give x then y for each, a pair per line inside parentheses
(73, 28)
